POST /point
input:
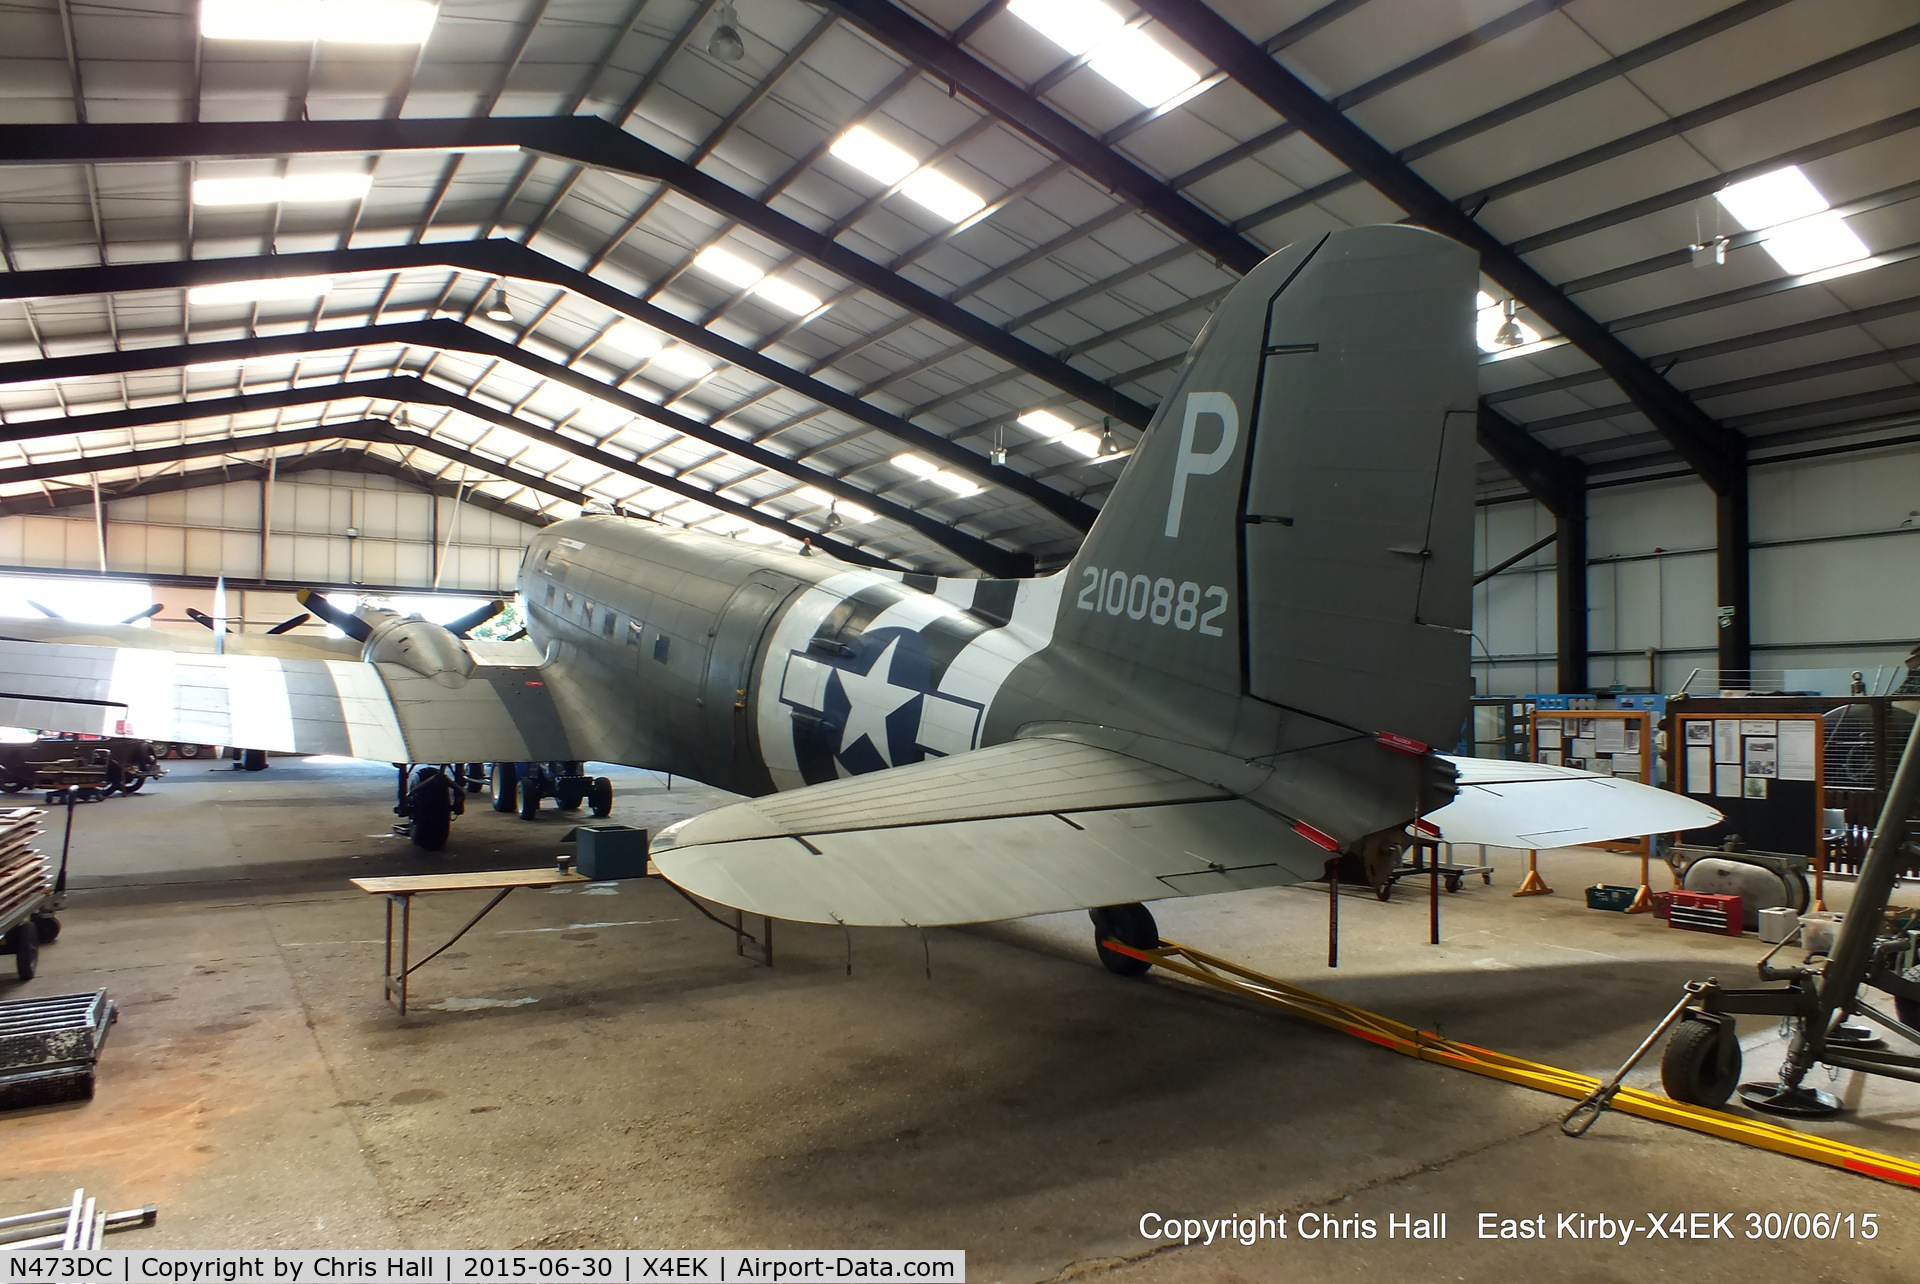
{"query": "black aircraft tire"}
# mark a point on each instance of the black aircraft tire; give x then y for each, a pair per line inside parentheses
(48, 928)
(23, 942)
(1701, 1066)
(11, 786)
(600, 797)
(476, 776)
(133, 785)
(1130, 925)
(503, 786)
(432, 811)
(529, 802)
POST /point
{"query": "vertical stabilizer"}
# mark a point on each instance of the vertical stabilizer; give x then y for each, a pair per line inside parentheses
(1295, 527)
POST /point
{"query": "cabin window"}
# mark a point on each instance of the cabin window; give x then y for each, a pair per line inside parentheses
(586, 615)
(606, 629)
(660, 648)
(550, 594)
(568, 601)
(634, 629)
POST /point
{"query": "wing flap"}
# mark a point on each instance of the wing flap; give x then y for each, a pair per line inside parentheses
(1031, 827)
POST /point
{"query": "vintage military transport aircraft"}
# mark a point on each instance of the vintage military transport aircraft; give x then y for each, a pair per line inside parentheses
(1234, 683)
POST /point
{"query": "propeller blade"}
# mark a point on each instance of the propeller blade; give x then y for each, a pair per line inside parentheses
(346, 621)
(474, 619)
(200, 617)
(514, 636)
(47, 611)
(289, 624)
(147, 614)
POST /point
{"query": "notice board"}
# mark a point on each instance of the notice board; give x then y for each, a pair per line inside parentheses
(1766, 775)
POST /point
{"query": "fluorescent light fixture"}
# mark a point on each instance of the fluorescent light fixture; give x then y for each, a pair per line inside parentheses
(1046, 423)
(267, 291)
(950, 200)
(1800, 231)
(684, 361)
(355, 22)
(851, 514)
(295, 189)
(911, 463)
(1127, 57)
(873, 155)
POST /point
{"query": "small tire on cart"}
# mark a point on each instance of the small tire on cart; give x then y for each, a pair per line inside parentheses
(23, 942)
(1453, 882)
(1701, 1066)
(600, 797)
(1383, 890)
(1130, 925)
(529, 801)
(432, 810)
(188, 750)
(132, 784)
(47, 927)
(503, 786)
(476, 774)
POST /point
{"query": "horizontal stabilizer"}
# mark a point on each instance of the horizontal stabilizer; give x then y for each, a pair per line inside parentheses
(1029, 827)
(1533, 805)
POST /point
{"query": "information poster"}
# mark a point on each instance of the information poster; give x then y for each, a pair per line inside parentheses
(1610, 735)
(1549, 735)
(1726, 780)
(1797, 740)
(1700, 768)
(1763, 757)
(1699, 731)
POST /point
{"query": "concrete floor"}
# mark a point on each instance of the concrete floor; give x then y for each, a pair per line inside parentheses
(648, 1088)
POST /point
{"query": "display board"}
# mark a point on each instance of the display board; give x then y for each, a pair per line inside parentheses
(1612, 742)
(1766, 775)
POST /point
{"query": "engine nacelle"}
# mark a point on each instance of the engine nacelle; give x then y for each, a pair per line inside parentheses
(427, 648)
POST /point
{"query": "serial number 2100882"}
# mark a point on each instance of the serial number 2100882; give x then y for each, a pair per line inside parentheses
(1185, 605)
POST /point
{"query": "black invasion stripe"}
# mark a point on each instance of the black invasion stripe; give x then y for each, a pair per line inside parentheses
(946, 637)
(852, 616)
(925, 583)
(993, 601)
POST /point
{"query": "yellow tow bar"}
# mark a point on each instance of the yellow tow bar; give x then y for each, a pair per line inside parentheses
(1207, 969)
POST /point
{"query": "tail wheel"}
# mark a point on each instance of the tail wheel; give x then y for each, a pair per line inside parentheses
(600, 797)
(432, 810)
(1702, 1063)
(1130, 925)
(503, 786)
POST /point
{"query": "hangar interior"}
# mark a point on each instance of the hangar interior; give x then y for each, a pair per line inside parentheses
(301, 294)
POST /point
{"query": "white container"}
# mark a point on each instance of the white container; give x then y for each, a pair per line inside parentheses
(1777, 924)
(1821, 929)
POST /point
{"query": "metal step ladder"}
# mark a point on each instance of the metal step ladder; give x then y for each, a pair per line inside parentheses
(78, 1226)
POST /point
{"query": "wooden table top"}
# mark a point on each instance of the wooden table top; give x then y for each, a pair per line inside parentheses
(478, 881)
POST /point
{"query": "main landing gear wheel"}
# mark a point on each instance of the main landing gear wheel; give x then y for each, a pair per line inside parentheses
(1130, 925)
(503, 783)
(432, 810)
(1702, 1063)
(600, 797)
(23, 942)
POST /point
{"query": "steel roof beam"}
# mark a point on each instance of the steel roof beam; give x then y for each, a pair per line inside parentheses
(582, 140)
(503, 258)
(450, 335)
(409, 390)
(1715, 453)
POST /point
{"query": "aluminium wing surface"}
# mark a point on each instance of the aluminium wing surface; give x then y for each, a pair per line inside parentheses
(1534, 805)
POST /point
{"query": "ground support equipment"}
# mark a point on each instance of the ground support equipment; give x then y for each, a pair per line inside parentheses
(30, 889)
(79, 1225)
(1423, 1045)
(49, 1047)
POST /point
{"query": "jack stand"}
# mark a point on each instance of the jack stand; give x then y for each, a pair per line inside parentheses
(1643, 898)
(1850, 1035)
(1795, 1103)
(1533, 884)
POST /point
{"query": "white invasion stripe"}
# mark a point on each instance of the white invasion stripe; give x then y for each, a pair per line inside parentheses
(794, 630)
(958, 592)
(373, 730)
(982, 666)
(143, 681)
(258, 708)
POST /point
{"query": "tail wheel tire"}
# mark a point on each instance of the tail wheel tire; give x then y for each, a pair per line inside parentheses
(1130, 925)
(23, 942)
(600, 797)
(1701, 1066)
(432, 810)
(529, 802)
(503, 786)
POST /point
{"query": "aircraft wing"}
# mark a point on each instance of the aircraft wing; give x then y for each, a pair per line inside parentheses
(1533, 805)
(381, 712)
(1037, 826)
(1027, 827)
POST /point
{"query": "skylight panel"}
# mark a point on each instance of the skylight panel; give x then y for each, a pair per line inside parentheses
(742, 275)
(787, 296)
(298, 189)
(272, 290)
(1125, 56)
(851, 514)
(950, 200)
(908, 462)
(955, 482)
(873, 155)
(357, 22)
(1081, 442)
(634, 341)
(1046, 423)
(683, 361)
(1798, 228)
